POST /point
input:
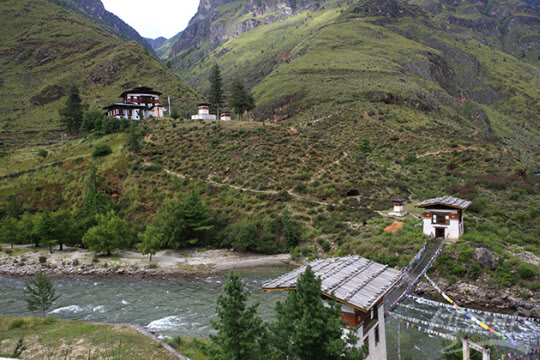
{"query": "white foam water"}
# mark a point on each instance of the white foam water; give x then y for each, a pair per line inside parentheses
(68, 309)
(169, 322)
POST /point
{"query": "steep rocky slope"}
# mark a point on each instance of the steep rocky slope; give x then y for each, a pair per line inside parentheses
(95, 11)
(449, 62)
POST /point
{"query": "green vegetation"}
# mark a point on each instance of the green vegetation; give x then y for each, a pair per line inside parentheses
(40, 293)
(305, 329)
(49, 337)
(67, 50)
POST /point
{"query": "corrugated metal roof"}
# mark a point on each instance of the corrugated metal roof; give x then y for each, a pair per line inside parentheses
(354, 280)
(446, 200)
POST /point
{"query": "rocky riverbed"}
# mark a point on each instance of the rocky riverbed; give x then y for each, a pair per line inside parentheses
(25, 261)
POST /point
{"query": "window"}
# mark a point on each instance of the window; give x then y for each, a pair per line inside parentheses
(365, 346)
(376, 334)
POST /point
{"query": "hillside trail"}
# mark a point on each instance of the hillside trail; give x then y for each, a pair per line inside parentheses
(148, 139)
(318, 173)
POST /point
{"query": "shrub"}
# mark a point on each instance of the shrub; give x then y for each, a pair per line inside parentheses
(49, 320)
(525, 271)
(42, 259)
(43, 153)
(16, 323)
(102, 150)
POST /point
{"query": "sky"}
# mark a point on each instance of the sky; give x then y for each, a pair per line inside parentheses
(155, 18)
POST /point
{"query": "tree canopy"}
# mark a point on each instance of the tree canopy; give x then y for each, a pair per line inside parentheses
(216, 95)
(240, 332)
(40, 293)
(110, 233)
(306, 329)
(240, 100)
(71, 115)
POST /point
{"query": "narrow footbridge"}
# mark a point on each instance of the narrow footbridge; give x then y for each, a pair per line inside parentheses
(414, 272)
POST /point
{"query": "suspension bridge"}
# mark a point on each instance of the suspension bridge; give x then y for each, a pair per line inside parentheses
(416, 270)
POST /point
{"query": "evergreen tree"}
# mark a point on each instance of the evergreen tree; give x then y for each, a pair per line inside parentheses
(71, 115)
(66, 229)
(14, 207)
(109, 234)
(240, 332)
(134, 139)
(240, 100)
(40, 293)
(216, 96)
(45, 229)
(183, 222)
(95, 199)
(306, 329)
(9, 231)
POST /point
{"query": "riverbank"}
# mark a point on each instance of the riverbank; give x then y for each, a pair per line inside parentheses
(25, 261)
(51, 338)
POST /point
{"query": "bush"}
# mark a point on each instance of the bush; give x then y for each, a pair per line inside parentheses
(49, 320)
(43, 153)
(16, 323)
(42, 259)
(526, 272)
(101, 150)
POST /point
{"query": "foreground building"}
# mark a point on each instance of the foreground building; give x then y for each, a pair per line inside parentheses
(443, 216)
(359, 285)
(138, 104)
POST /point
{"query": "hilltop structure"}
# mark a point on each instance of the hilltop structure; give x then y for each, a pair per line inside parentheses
(398, 207)
(204, 113)
(359, 285)
(139, 104)
(443, 216)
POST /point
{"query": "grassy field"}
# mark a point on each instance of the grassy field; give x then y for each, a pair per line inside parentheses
(50, 338)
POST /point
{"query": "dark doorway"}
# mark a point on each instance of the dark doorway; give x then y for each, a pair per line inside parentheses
(439, 232)
(353, 192)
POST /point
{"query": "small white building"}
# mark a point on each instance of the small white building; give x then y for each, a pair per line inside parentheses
(443, 216)
(225, 116)
(359, 285)
(138, 104)
(398, 207)
(204, 113)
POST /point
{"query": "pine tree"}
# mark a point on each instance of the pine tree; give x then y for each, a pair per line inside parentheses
(240, 100)
(95, 199)
(216, 96)
(71, 115)
(240, 332)
(46, 230)
(40, 293)
(306, 329)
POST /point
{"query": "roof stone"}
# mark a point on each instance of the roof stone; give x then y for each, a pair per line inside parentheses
(446, 200)
(354, 280)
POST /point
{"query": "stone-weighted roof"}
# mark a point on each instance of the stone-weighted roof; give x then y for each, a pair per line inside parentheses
(447, 201)
(354, 280)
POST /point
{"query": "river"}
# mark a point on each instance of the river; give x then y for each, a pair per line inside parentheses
(185, 305)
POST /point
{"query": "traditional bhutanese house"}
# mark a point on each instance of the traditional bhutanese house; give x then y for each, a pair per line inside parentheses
(139, 103)
(204, 113)
(443, 216)
(359, 285)
(398, 207)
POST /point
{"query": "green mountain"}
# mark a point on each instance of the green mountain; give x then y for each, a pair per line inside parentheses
(469, 66)
(45, 48)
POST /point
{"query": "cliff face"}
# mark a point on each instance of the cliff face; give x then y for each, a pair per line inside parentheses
(95, 11)
(217, 21)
